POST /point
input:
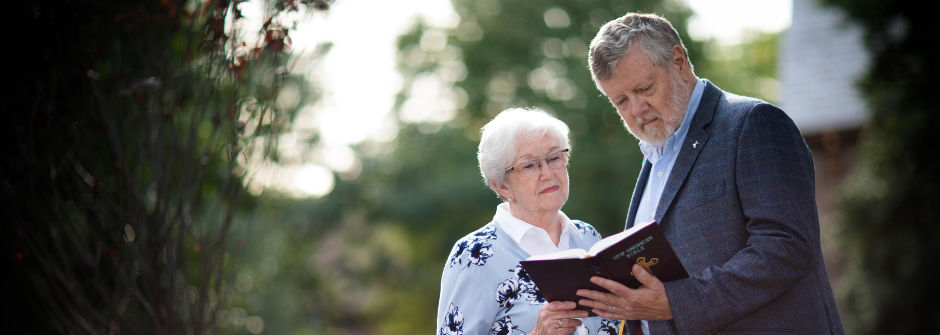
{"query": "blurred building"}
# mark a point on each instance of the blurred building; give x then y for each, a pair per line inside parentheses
(821, 57)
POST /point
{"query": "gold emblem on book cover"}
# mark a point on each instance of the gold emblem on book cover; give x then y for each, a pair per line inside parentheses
(646, 264)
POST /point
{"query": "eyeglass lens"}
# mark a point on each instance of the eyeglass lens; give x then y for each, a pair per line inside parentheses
(555, 161)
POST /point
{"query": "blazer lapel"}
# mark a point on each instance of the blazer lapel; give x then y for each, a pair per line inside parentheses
(638, 193)
(694, 143)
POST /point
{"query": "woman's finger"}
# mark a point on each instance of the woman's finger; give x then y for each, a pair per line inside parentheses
(559, 306)
(563, 326)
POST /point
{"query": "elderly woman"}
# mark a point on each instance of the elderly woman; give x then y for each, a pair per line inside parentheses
(523, 156)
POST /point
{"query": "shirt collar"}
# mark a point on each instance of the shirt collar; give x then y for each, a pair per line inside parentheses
(517, 229)
(653, 152)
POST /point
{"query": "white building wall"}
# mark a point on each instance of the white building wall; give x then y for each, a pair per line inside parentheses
(821, 58)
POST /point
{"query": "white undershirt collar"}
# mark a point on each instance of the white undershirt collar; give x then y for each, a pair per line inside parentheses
(532, 239)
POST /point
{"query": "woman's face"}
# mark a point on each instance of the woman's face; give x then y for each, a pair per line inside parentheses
(546, 190)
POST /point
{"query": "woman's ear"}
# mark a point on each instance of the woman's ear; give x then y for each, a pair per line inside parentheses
(503, 190)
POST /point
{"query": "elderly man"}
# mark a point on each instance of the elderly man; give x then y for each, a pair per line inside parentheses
(730, 181)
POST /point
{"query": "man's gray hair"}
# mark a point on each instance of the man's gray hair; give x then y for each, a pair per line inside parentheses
(503, 134)
(650, 32)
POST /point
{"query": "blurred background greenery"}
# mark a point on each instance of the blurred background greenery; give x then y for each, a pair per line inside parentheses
(143, 133)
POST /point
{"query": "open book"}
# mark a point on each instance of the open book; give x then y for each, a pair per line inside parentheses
(559, 275)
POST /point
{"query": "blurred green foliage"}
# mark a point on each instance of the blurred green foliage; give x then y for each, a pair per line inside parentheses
(137, 119)
(535, 59)
(367, 258)
(889, 207)
(121, 175)
(747, 68)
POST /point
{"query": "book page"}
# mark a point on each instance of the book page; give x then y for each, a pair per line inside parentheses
(570, 253)
(613, 239)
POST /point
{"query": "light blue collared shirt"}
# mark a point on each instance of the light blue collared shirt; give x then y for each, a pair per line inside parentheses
(663, 158)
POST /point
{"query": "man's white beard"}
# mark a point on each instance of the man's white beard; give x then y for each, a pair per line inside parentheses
(675, 107)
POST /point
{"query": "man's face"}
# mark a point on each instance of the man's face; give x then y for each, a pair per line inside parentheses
(650, 98)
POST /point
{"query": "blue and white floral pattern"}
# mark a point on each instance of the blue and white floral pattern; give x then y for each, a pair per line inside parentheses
(453, 322)
(586, 229)
(477, 247)
(508, 292)
(529, 291)
(459, 249)
(486, 261)
(519, 287)
(609, 327)
(480, 251)
(504, 326)
(488, 232)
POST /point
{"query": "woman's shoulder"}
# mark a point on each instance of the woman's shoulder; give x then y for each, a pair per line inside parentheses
(474, 249)
(486, 232)
(585, 228)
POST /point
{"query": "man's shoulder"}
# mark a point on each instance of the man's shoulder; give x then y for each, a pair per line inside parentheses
(724, 108)
(734, 109)
(739, 103)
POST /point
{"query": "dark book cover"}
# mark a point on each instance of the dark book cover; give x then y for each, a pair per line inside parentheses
(559, 279)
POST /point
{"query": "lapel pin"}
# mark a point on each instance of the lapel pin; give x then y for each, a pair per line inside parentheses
(694, 144)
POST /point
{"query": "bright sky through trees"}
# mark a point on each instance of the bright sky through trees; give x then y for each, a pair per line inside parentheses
(359, 80)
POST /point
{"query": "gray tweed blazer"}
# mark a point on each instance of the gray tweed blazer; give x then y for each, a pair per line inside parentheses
(740, 210)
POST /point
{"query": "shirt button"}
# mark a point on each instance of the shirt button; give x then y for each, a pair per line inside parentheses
(659, 174)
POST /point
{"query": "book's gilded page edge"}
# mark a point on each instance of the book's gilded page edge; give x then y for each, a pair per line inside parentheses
(564, 254)
(608, 241)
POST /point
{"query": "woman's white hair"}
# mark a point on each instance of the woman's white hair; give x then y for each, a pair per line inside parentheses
(501, 136)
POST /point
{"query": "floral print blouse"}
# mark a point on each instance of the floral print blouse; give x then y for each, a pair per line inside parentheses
(484, 290)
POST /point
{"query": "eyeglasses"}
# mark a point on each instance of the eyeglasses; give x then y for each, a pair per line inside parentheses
(532, 167)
